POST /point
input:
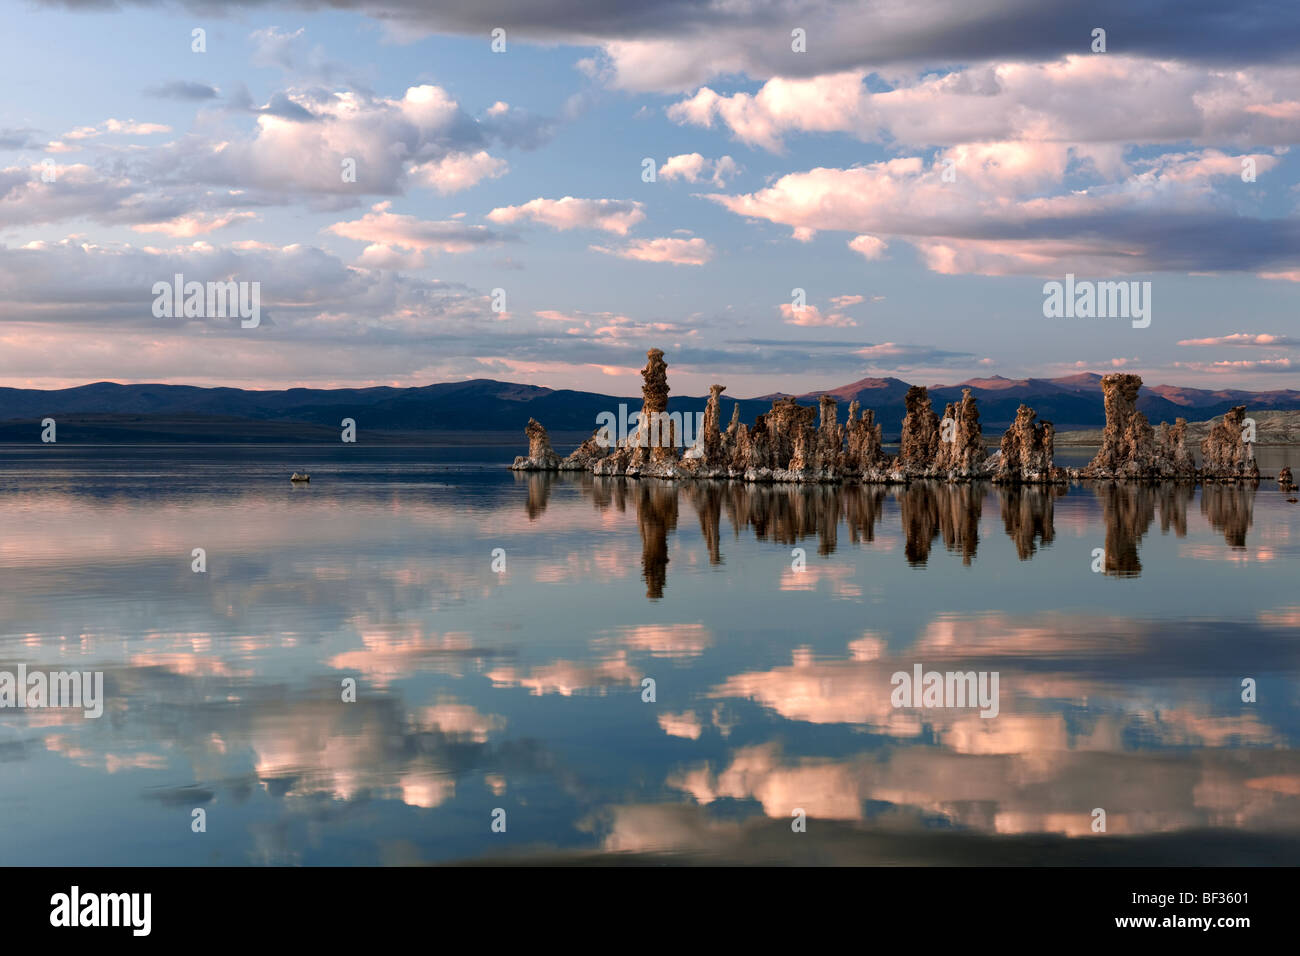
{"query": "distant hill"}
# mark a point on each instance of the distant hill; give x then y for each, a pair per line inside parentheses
(1271, 428)
(106, 411)
(1070, 403)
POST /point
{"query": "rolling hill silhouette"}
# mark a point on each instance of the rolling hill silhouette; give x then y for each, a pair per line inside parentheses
(105, 411)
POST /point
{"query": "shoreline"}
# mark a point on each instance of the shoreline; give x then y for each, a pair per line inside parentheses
(903, 481)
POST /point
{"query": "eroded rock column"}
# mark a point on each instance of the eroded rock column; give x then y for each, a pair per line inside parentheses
(919, 444)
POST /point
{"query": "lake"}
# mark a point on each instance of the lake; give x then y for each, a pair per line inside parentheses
(501, 628)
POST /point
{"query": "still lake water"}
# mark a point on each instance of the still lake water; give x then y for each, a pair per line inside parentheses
(522, 690)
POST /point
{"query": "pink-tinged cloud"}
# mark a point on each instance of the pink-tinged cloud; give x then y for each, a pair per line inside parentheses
(610, 215)
(305, 142)
(119, 127)
(611, 326)
(393, 238)
(1263, 340)
(459, 171)
(680, 252)
(975, 226)
(196, 224)
(694, 168)
(812, 317)
(1080, 99)
(869, 247)
(686, 724)
(1243, 365)
(1207, 164)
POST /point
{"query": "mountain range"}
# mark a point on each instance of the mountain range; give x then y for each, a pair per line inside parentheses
(106, 411)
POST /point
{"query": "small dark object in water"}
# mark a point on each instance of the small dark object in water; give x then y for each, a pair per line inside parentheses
(300, 477)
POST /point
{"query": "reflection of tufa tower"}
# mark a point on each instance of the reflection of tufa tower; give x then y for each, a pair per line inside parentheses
(656, 515)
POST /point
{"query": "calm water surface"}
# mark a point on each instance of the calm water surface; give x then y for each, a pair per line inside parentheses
(1120, 689)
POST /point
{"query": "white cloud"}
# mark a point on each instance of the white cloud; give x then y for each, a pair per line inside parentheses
(195, 224)
(459, 171)
(812, 317)
(694, 168)
(1084, 99)
(610, 215)
(397, 241)
(869, 247)
(1146, 223)
(121, 127)
(304, 140)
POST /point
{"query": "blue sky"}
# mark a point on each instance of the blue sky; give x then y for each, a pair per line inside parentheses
(522, 171)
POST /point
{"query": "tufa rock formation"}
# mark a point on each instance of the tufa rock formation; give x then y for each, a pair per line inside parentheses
(920, 440)
(961, 442)
(652, 449)
(863, 456)
(1173, 460)
(1131, 448)
(585, 456)
(1026, 451)
(658, 447)
(541, 457)
(1128, 444)
(1225, 453)
(797, 443)
(793, 442)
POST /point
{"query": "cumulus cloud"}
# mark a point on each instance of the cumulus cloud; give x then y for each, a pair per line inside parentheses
(398, 241)
(304, 138)
(1146, 223)
(302, 144)
(77, 191)
(609, 215)
(459, 171)
(869, 247)
(811, 316)
(1079, 99)
(694, 168)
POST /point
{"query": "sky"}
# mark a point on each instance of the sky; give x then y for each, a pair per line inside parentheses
(840, 190)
